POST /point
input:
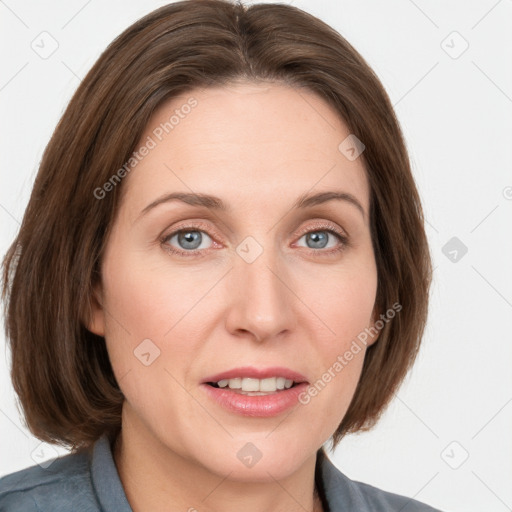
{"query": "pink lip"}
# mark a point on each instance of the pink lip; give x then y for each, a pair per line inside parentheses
(259, 405)
(257, 373)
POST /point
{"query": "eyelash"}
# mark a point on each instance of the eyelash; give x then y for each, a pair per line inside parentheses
(324, 226)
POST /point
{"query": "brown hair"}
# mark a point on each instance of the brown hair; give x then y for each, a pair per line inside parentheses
(61, 371)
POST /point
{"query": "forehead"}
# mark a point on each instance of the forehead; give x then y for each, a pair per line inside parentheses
(246, 141)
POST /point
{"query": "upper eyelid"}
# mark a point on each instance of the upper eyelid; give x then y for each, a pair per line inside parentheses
(324, 225)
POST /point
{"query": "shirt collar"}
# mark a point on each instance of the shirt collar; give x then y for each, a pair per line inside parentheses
(105, 479)
(338, 490)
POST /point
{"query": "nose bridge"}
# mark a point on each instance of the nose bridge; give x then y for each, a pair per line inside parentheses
(261, 299)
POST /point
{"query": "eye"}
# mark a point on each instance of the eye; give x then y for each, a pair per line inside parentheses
(324, 239)
(188, 241)
(318, 238)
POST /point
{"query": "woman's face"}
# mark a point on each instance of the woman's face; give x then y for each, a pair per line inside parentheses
(260, 283)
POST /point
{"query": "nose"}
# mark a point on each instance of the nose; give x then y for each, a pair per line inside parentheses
(261, 298)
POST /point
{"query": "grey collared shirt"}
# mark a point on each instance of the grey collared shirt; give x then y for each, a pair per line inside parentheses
(88, 481)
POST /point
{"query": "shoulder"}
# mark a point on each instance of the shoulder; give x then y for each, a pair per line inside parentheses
(378, 499)
(63, 485)
(342, 493)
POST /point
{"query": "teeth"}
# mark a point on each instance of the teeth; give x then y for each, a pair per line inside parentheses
(269, 385)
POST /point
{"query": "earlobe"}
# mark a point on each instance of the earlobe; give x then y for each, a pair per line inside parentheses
(95, 321)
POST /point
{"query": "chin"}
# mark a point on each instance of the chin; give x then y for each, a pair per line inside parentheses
(252, 458)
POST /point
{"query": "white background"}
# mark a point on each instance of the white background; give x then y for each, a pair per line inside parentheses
(456, 116)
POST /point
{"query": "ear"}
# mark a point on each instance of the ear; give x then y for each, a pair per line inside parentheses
(373, 336)
(96, 317)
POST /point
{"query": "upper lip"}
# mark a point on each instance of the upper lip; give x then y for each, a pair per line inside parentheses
(257, 373)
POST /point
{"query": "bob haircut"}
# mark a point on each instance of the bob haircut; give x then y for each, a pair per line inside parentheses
(61, 371)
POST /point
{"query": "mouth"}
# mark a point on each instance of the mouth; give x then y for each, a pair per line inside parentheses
(253, 397)
(253, 381)
(255, 387)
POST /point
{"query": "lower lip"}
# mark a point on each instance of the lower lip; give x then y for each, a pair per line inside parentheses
(263, 406)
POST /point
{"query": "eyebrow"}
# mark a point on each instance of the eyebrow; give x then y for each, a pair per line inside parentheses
(216, 203)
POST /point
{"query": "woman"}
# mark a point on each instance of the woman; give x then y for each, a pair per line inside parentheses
(222, 267)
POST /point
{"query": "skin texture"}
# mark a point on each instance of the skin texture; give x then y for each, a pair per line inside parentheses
(258, 147)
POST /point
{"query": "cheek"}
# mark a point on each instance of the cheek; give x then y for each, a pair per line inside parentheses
(343, 298)
(344, 304)
(154, 314)
(148, 339)
(150, 301)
